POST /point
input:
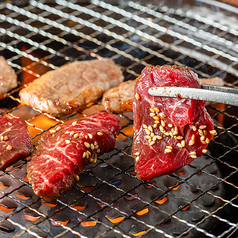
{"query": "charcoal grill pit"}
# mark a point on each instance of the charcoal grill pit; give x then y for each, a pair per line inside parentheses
(200, 200)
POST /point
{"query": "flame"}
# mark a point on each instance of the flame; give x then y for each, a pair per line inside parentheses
(88, 223)
(161, 201)
(116, 220)
(142, 212)
(139, 233)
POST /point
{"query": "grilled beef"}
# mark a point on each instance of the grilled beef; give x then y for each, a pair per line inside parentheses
(120, 98)
(15, 141)
(71, 87)
(8, 78)
(168, 132)
(64, 151)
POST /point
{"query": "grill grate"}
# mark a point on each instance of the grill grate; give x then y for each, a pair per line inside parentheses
(200, 200)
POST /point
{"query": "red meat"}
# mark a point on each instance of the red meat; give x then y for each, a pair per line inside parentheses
(169, 133)
(15, 141)
(64, 151)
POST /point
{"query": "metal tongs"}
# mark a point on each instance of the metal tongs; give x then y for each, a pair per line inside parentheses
(209, 93)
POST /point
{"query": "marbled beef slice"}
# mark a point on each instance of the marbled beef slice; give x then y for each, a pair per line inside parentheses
(64, 151)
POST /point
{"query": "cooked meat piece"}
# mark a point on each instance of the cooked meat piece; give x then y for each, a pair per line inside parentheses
(64, 151)
(8, 78)
(120, 98)
(71, 87)
(15, 141)
(169, 133)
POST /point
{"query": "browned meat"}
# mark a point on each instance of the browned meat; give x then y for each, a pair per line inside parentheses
(71, 87)
(15, 141)
(119, 99)
(64, 151)
(8, 78)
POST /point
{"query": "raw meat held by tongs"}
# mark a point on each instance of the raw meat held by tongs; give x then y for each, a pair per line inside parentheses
(209, 93)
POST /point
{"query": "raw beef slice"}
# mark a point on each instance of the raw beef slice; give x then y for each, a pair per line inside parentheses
(169, 133)
(64, 151)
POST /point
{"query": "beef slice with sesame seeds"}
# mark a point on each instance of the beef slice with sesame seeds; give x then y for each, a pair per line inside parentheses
(169, 133)
(64, 151)
(15, 141)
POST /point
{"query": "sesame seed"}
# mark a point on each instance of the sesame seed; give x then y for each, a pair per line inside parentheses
(71, 133)
(84, 154)
(4, 138)
(67, 142)
(137, 153)
(147, 131)
(207, 140)
(137, 158)
(200, 132)
(98, 150)
(169, 147)
(76, 135)
(192, 153)
(150, 128)
(145, 126)
(193, 156)
(162, 115)
(90, 136)
(147, 137)
(167, 133)
(9, 147)
(52, 130)
(179, 145)
(193, 137)
(183, 143)
(162, 123)
(99, 133)
(150, 140)
(74, 123)
(179, 137)
(202, 138)
(202, 127)
(156, 118)
(213, 132)
(155, 125)
(96, 147)
(156, 109)
(92, 146)
(167, 151)
(204, 151)
(170, 125)
(159, 137)
(161, 129)
(156, 122)
(204, 132)
(152, 110)
(77, 177)
(53, 135)
(175, 131)
(203, 142)
(152, 114)
(1, 137)
(86, 136)
(58, 128)
(152, 134)
(194, 128)
(191, 142)
(87, 144)
(137, 96)
(154, 138)
(151, 143)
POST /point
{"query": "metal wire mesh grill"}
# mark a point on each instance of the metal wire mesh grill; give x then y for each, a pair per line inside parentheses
(109, 201)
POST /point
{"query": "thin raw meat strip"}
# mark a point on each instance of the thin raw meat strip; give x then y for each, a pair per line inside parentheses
(169, 133)
(15, 141)
(63, 152)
